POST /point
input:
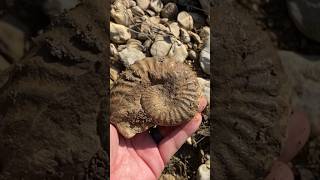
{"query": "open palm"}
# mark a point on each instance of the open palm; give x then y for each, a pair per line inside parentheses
(140, 157)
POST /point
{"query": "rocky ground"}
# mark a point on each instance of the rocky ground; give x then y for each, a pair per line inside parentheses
(179, 29)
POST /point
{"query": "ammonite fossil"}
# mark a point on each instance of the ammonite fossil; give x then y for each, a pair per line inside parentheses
(153, 91)
(250, 97)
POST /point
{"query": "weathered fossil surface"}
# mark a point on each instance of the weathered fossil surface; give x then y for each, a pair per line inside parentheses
(154, 91)
(250, 97)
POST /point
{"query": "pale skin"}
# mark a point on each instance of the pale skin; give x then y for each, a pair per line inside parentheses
(141, 158)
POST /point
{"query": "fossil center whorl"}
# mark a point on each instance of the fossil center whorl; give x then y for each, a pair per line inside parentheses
(154, 91)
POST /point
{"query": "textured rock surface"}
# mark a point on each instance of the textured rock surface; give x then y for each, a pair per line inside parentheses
(251, 97)
(47, 130)
(154, 91)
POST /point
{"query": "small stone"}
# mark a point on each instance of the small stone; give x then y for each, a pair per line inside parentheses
(170, 11)
(161, 46)
(134, 43)
(143, 4)
(119, 33)
(205, 58)
(113, 50)
(121, 4)
(205, 87)
(184, 36)
(192, 54)
(178, 51)
(122, 16)
(205, 33)
(137, 11)
(121, 47)
(203, 172)
(185, 20)
(195, 37)
(164, 20)
(130, 55)
(175, 29)
(156, 5)
(167, 177)
(189, 141)
(132, 4)
(114, 74)
(150, 12)
(147, 44)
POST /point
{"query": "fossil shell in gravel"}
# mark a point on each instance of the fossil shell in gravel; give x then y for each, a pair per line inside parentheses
(154, 91)
(251, 97)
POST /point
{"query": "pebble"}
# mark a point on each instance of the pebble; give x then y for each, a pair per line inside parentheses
(161, 46)
(205, 33)
(170, 11)
(137, 11)
(203, 172)
(122, 16)
(185, 20)
(114, 74)
(184, 36)
(147, 44)
(132, 3)
(156, 5)
(143, 4)
(195, 37)
(204, 58)
(150, 12)
(175, 29)
(167, 177)
(130, 55)
(113, 50)
(134, 43)
(192, 54)
(205, 87)
(178, 51)
(119, 33)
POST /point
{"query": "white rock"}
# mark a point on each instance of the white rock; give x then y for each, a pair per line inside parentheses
(175, 29)
(161, 46)
(184, 35)
(119, 33)
(203, 172)
(113, 50)
(114, 74)
(185, 20)
(130, 55)
(156, 5)
(204, 58)
(205, 87)
(122, 16)
(178, 51)
(144, 4)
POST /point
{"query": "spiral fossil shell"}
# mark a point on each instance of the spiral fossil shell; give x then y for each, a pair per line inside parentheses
(250, 97)
(153, 91)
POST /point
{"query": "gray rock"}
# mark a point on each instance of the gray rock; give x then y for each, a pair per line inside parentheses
(150, 12)
(170, 11)
(156, 5)
(137, 11)
(143, 4)
(304, 75)
(205, 33)
(204, 58)
(130, 55)
(119, 33)
(121, 15)
(185, 20)
(134, 43)
(305, 14)
(195, 37)
(192, 54)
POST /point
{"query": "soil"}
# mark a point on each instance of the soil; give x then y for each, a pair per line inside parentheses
(53, 101)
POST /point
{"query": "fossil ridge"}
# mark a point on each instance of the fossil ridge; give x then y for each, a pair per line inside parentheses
(154, 91)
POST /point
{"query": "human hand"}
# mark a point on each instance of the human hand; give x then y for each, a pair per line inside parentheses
(298, 131)
(140, 157)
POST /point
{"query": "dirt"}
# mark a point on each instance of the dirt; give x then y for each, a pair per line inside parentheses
(250, 99)
(53, 102)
